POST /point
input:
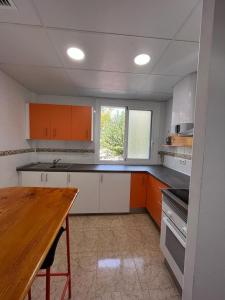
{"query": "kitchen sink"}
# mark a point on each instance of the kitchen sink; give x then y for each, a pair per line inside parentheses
(60, 166)
(50, 166)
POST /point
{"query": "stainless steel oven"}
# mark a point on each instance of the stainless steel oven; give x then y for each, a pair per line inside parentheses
(173, 236)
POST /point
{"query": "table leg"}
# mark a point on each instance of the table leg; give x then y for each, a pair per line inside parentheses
(68, 254)
(48, 284)
(29, 294)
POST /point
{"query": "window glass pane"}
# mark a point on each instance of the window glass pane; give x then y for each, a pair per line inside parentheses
(112, 133)
(139, 134)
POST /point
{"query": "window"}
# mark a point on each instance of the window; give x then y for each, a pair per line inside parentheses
(117, 142)
(139, 134)
(112, 133)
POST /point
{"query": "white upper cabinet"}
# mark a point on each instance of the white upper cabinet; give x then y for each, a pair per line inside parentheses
(114, 193)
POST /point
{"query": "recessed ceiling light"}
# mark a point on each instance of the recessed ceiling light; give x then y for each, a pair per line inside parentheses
(75, 53)
(142, 59)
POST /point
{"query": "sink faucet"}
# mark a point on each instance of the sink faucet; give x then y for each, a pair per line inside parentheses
(55, 161)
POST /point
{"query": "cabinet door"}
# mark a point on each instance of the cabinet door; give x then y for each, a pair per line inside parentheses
(87, 200)
(138, 190)
(40, 124)
(154, 198)
(55, 179)
(61, 122)
(114, 193)
(82, 123)
(35, 179)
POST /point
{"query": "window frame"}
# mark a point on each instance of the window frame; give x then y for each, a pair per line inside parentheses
(125, 157)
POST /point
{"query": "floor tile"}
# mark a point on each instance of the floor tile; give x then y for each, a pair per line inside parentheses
(113, 257)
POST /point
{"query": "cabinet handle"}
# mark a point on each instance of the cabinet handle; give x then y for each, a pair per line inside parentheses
(101, 178)
(45, 132)
(68, 177)
(46, 177)
(41, 177)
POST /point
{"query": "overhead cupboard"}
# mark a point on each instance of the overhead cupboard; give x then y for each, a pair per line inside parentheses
(59, 122)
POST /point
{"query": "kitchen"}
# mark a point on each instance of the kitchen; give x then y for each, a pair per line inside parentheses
(110, 107)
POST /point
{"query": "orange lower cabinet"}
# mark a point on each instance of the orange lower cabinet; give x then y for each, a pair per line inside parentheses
(154, 199)
(138, 190)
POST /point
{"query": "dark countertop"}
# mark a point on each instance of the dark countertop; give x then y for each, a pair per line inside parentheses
(168, 176)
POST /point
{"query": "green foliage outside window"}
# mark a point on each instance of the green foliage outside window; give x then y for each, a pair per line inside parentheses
(112, 132)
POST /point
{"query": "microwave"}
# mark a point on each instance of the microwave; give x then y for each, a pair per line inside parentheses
(184, 129)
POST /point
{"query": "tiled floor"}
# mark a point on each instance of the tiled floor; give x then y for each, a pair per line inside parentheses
(113, 257)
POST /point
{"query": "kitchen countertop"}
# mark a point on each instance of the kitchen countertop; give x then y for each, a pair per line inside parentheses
(168, 176)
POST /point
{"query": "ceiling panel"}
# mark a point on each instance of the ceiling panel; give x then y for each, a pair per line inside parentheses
(107, 52)
(106, 80)
(144, 17)
(191, 29)
(26, 45)
(97, 93)
(24, 13)
(179, 59)
(153, 96)
(41, 80)
(159, 84)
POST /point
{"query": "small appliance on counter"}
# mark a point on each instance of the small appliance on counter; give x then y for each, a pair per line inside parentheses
(185, 129)
(174, 229)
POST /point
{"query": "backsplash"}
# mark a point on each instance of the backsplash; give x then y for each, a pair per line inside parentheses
(179, 159)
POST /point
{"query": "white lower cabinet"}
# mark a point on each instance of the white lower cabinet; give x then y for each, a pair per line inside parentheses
(43, 179)
(87, 200)
(114, 193)
(30, 178)
(56, 179)
(98, 192)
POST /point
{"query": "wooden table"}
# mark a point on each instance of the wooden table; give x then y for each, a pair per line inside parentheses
(30, 219)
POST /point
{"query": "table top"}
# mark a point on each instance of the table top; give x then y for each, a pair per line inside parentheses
(29, 221)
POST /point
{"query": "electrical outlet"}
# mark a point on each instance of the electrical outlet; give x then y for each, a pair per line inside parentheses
(183, 162)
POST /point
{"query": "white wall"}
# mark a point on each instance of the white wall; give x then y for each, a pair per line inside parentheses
(179, 164)
(12, 128)
(158, 109)
(180, 109)
(204, 276)
(184, 101)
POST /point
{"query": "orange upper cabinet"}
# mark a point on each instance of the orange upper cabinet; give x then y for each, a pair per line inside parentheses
(82, 123)
(138, 190)
(61, 122)
(40, 123)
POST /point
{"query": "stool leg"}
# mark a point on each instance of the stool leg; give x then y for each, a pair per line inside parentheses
(68, 254)
(29, 294)
(47, 297)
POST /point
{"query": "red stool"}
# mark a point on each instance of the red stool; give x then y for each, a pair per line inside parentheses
(48, 262)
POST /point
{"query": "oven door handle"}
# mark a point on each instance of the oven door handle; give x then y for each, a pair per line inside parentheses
(167, 222)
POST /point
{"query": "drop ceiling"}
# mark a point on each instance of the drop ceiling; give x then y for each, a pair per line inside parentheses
(35, 36)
